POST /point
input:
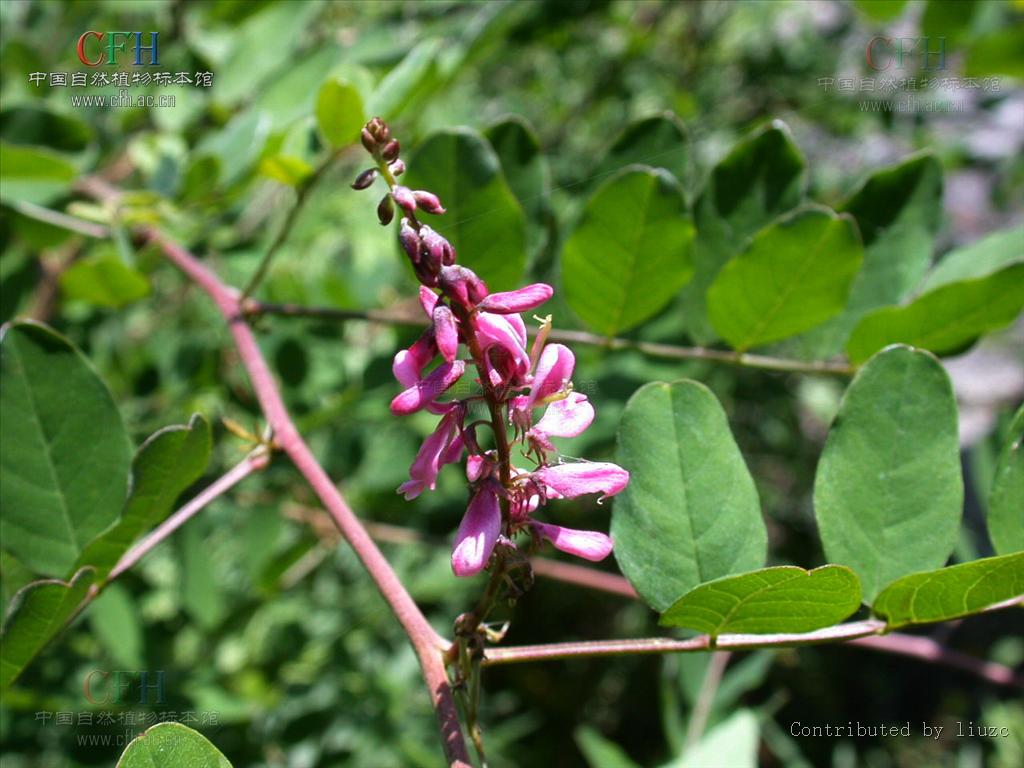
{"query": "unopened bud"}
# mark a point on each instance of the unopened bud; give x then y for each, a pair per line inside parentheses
(385, 210)
(428, 201)
(410, 240)
(379, 130)
(365, 179)
(462, 285)
(404, 197)
(397, 168)
(390, 151)
(369, 142)
(439, 251)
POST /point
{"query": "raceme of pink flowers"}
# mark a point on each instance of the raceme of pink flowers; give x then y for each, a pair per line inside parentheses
(529, 386)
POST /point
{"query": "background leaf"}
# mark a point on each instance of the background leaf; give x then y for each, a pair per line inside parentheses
(793, 275)
(104, 281)
(979, 259)
(732, 743)
(762, 177)
(898, 210)
(526, 171)
(37, 614)
(630, 253)
(690, 512)
(658, 141)
(888, 493)
(399, 87)
(33, 174)
(946, 319)
(484, 221)
(115, 621)
(339, 112)
(165, 465)
(1006, 500)
(172, 745)
(949, 593)
(780, 599)
(56, 494)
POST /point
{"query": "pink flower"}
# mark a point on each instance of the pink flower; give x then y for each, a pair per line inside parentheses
(409, 363)
(522, 300)
(572, 480)
(478, 533)
(428, 300)
(554, 370)
(428, 201)
(460, 284)
(425, 391)
(442, 446)
(503, 346)
(589, 545)
(446, 333)
(563, 418)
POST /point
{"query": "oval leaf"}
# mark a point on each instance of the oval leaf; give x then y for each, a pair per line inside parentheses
(339, 112)
(64, 459)
(979, 259)
(166, 464)
(888, 492)
(946, 319)
(38, 612)
(32, 174)
(105, 281)
(659, 141)
(762, 177)
(172, 745)
(690, 513)
(950, 593)
(526, 171)
(794, 275)
(1006, 500)
(630, 253)
(484, 221)
(781, 599)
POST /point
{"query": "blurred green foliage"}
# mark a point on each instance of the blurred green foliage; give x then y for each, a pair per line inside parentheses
(269, 624)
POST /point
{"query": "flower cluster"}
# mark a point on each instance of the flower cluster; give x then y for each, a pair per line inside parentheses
(517, 381)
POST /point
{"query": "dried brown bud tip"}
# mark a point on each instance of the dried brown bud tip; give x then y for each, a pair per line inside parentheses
(385, 210)
(365, 179)
(397, 168)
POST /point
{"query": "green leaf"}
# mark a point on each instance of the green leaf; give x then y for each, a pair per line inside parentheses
(484, 221)
(950, 593)
(979, 259)
(690, 513)
(762, 177)
(164, 467)
(630, 253)
(64, 459)
(114, 619)
(339, 112)
(398, 90)
(780, 599)
(659, 141)
(881, 10)
(104, 280)
(172, 745)
(526, 171)
(732, 743)
(201, 592)
(948, 20)
(285, 169)
(794, 275)
(599, 752)
(1006, 500)
(33, 174)
(946, 319)
(898, 210)
(997, 53)
(888, 492)
(38, 612)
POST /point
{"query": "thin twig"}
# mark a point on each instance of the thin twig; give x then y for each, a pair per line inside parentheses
(649, 348)
(254, 462)
(58, 219)
(301, 196)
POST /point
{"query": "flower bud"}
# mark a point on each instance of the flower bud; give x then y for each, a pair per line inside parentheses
(404, 197)
(446, 332)
(390, 151)
(439, 251)
(369, 143)
(385, 210)
(365, 179)
(379, 130)
(410, 240)
(461, 285)
(397, 168)
(428, 201)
